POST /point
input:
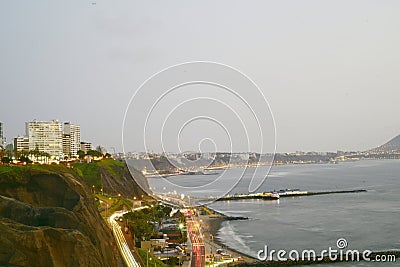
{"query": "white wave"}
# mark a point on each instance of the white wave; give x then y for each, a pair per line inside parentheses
(230, 237)
(278, 174)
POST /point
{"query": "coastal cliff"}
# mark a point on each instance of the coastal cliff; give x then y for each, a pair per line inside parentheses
(48, 217)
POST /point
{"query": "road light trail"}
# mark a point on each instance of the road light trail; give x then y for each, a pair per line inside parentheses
(198, 258)
(121, 242)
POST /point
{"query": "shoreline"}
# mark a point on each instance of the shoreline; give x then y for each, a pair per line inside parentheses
(211, 224)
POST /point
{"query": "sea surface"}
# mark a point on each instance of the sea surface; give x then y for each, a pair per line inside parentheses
(368, 220)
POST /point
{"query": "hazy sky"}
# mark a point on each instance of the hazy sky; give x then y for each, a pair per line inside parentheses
(329, 69)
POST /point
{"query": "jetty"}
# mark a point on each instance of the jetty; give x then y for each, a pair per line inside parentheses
(285, 193)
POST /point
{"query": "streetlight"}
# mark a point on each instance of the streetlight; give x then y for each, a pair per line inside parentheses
(147, 258)
(212, 244)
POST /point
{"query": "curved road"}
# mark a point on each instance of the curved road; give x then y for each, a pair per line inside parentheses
(121, 242)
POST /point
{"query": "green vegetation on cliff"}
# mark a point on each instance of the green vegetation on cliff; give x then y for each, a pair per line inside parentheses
(109, 205)
(49, 217)
(90, 171)
(112, 177)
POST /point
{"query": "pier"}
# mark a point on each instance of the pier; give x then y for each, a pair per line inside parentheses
(285, 193)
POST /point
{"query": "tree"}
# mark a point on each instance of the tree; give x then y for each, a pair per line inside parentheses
(8, 153)
(1, 153)
(101, 149)
(46, 156)
(35, 153)
(10, 150)
(94, 153)
(25, 159)
(23, 153)
(6, 160)
(81, 154)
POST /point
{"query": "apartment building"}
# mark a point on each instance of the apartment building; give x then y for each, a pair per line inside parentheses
(21, 143)
(46, 136)
(2, 138)
(71, 139)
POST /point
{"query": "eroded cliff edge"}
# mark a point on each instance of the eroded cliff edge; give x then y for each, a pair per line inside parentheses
(48, 217)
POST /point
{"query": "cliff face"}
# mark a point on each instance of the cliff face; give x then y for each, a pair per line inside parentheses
(49, 218)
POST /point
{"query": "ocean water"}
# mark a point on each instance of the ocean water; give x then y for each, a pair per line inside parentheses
(369, 220)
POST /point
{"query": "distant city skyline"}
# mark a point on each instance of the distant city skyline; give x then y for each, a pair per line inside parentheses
(328, 70)
(85, 146)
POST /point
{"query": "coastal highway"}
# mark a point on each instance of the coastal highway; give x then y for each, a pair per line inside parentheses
(121, 242)
(194, 232)
(196, 239)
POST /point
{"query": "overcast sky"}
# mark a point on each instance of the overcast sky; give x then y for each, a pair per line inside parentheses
(329, 69)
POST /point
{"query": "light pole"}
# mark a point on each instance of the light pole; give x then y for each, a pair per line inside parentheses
(212, 254)
(108, 206)
(147, 258)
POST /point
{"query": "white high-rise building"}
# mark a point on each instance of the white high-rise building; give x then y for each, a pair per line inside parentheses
(71, 139)
(2, 138)
(45, 136)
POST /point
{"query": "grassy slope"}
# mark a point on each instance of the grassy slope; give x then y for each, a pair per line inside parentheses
(87, 171)
(90, 171)
(19, 173)
(115, 203)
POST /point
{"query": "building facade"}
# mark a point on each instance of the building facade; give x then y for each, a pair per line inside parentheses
(71, 139)
(85, 146)
(66, 145)
(2, 138)
(45, 136)
(21, 143)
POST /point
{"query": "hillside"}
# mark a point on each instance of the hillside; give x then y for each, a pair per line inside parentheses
(48, 215)
(392, 145)
(113, 177)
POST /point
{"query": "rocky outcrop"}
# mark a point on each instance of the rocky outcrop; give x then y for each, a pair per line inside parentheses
(49, 218)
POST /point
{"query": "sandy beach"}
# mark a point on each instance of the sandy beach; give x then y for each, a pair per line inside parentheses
(210, 225)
